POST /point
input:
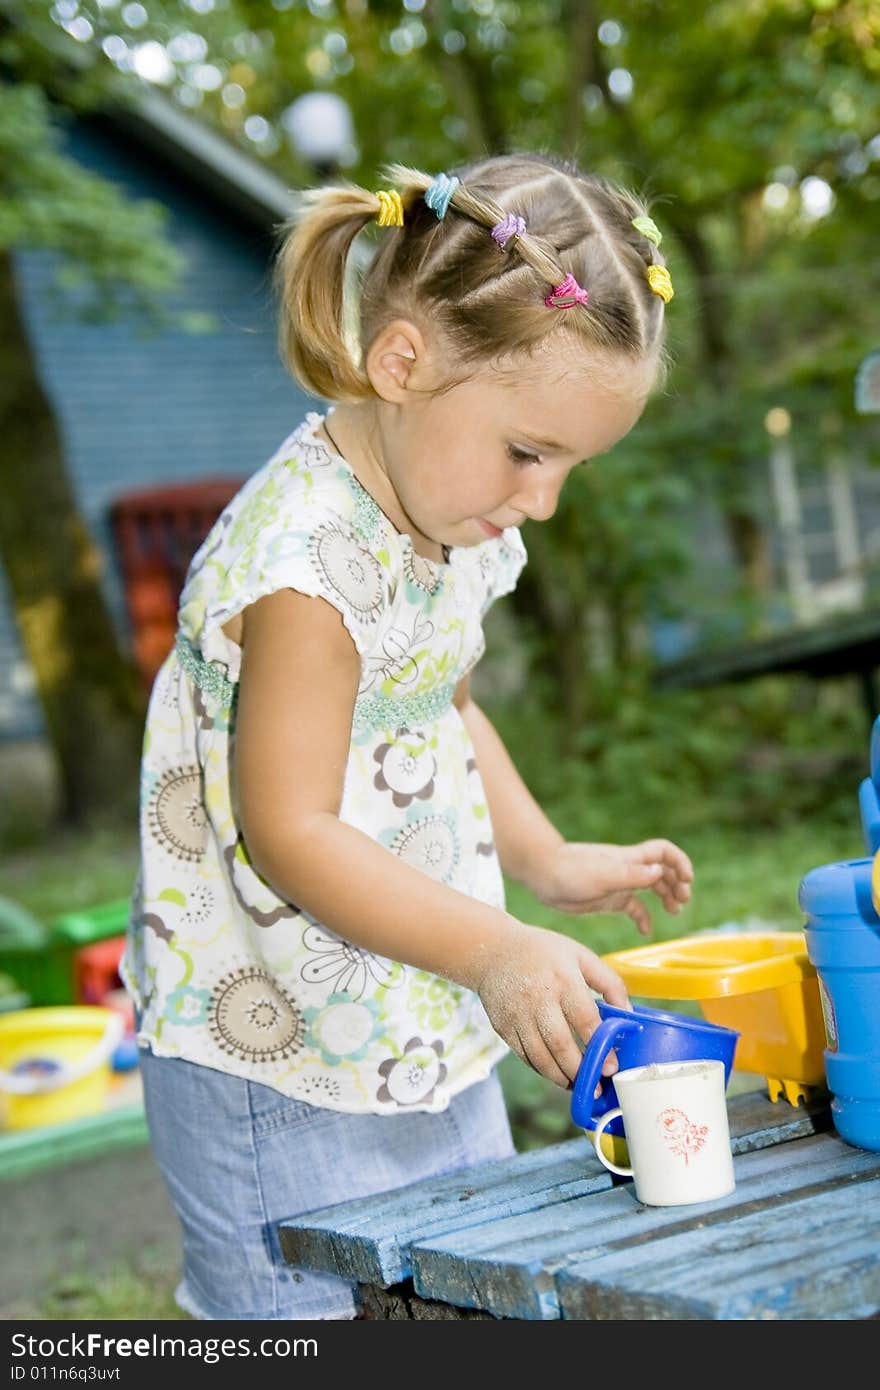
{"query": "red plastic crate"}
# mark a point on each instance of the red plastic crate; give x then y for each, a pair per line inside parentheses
(97, 980)
(96, 970)
(156, 531)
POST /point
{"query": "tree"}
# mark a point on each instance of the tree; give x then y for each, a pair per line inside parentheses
(730, 116)
(112, 260)
(727, 116)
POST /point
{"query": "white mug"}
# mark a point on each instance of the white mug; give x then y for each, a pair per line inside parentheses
(677, 1133)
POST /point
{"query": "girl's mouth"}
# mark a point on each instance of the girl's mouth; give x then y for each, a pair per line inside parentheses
(493, 531)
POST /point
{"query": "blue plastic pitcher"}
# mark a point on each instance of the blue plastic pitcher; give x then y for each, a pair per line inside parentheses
(869, 795)
(639, 1036)
(842, 932)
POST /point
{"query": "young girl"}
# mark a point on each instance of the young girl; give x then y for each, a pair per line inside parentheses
(323, 968)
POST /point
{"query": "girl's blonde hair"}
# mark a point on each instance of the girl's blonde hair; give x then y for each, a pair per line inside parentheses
(450, 274)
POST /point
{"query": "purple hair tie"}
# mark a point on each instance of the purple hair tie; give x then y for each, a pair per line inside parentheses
(567, 294)
(509, 227)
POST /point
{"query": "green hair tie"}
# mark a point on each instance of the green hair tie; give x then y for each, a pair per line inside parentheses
(648, 228)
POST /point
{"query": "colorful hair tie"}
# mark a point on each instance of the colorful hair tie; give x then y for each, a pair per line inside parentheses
(567, 294)
(439, 193)
(661, 282)
(510, 226)
(390, 212)
(648, 227)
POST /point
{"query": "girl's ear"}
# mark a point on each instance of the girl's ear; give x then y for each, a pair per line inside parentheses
(396, 355)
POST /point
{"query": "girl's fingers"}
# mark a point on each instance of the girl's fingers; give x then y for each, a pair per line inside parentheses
(673, 894)
(669, 855)
(673, 887)
(639, 913)
(515, 1042)
(677, 883)
(583, 1015)
(584, 1024)
(560, 1036)
(540, 1058)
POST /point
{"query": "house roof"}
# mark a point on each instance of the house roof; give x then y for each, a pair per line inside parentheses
(205, 158)
(187, 144)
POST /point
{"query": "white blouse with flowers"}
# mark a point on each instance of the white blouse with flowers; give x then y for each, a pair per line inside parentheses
(226, 973)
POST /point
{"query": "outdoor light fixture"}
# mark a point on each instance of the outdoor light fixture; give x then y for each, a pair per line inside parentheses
(777, 422)
(320, 130)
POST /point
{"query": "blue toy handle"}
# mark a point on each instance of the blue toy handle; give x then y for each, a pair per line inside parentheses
(869, 804)
(590, 1069)
(869, 794)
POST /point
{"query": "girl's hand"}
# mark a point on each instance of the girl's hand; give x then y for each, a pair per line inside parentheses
(536, 986)
(606, 878)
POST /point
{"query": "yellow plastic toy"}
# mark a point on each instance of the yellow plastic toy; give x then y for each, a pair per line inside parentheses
(760, 983)
(55, 1063)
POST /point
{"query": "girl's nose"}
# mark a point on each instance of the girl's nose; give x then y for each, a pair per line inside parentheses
(540, 499)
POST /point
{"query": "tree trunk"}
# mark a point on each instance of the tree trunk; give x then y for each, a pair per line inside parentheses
(558, 613)
(91, 699)
(579, 24)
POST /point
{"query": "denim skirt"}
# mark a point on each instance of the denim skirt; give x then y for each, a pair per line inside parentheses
(238, 1157)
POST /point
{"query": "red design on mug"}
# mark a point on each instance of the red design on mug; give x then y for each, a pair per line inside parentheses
(681, 1134)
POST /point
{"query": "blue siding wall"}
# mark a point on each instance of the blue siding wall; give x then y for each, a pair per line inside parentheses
(134, 410)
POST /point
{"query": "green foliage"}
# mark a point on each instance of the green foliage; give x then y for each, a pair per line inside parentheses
(115, 259)
(756, 757)
(774, 302)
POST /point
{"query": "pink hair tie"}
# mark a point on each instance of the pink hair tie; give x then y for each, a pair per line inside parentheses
(567, 294)
(509, 227)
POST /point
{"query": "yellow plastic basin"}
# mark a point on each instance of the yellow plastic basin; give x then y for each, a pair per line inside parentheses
(760, 983)
(55, 1063)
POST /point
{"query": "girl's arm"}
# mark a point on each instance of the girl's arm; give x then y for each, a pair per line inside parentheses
(572, 877)
(299, 680)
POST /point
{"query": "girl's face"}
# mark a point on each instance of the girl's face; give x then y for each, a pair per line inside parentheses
(495, 451)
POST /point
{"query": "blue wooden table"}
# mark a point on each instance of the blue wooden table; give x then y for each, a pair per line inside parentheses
(551, 1234)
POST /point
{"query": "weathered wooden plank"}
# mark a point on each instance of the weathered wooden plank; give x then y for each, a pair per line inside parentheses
(757, 1122)
(818, 1257)
(508, 1267)
(369, 1239)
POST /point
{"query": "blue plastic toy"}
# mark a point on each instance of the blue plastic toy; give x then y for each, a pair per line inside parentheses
(125, 1057)
(842, 932)
(640, 1036)
(869, 795)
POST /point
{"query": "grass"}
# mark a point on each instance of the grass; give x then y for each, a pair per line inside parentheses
(118, 1294)
(71, 870)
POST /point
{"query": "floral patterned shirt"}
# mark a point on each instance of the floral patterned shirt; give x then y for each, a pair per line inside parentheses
(226, 973)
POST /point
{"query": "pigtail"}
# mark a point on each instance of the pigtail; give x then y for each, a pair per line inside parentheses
(315, 338)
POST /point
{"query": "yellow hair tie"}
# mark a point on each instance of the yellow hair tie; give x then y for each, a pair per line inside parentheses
(661, 282)
(390, 212)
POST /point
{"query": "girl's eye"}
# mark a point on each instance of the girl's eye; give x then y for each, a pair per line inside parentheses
(521, 456)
